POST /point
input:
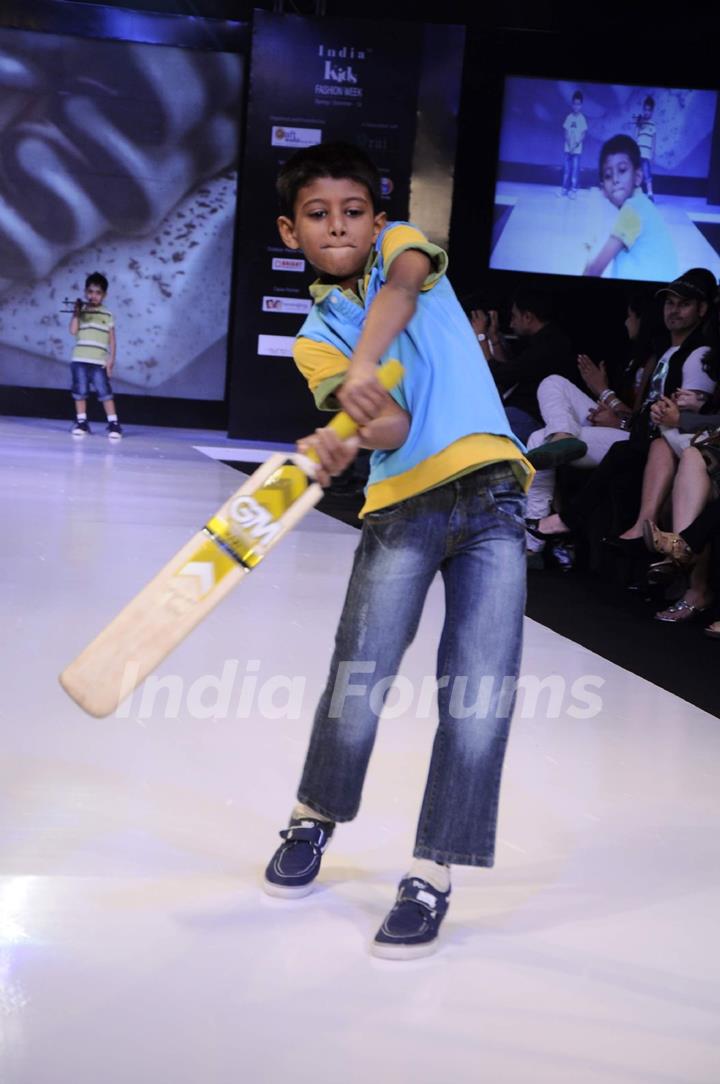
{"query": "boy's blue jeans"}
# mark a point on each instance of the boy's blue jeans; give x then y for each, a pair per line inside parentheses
(571, 172)
(471, 530)
(647, 173)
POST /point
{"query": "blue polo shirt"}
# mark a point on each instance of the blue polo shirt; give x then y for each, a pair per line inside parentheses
(457, 420)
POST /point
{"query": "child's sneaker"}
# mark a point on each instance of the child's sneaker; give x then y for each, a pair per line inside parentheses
(296, 863)
(81, 429)
(113, 430)
(411, 928)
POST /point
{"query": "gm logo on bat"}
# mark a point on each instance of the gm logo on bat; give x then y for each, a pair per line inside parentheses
(254, 519)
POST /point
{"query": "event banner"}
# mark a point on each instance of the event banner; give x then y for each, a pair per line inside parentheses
(311, 80)
(118, 157)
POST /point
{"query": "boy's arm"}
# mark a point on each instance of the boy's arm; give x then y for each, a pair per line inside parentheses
(608, 252)
(112, 343)
(334, 455)
(387, 431)
(390, 312)
(75, 318)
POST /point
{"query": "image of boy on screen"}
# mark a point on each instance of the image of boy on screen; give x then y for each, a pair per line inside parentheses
(574, 128)
(639, 245)
(645, 139)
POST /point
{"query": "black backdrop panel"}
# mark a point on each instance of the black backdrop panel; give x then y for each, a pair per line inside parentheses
(311, 81)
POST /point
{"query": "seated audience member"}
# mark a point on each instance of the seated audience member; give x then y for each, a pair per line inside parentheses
(542, 348)
(695, 547)
(683, 365)
(673, 461)
(580, 429)
(697, 481)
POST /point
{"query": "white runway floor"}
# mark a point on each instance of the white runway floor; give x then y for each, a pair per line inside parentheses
(136, 946)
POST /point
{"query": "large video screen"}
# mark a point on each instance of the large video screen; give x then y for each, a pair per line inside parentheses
(605, 180)
(117, 157)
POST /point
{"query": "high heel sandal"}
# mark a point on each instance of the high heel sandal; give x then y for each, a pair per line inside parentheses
(668, 543)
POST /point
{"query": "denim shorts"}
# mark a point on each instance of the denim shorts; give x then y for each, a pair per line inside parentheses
(87, 376)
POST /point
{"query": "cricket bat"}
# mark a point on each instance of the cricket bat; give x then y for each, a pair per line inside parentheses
(233, 542)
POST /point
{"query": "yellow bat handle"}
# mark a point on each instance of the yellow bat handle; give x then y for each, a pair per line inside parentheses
(389, 375)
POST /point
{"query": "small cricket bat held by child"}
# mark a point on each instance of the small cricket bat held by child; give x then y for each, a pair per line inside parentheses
(203, 572)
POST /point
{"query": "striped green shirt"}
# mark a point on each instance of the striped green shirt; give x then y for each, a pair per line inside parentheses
(93, 338)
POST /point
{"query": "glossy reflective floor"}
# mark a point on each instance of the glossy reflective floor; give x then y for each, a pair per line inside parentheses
(135, 942)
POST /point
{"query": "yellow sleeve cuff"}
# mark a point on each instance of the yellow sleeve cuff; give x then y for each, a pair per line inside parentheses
(402, 238)
(324, 368)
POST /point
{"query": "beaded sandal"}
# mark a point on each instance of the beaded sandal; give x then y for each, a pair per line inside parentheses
(680, 611)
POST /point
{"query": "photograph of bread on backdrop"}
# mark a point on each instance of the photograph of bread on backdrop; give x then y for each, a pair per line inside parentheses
(118, 157)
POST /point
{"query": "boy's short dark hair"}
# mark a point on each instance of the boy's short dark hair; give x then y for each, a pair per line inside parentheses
(537, 302)
(620, 144)
(578, 96)
(649, 101)
(341, 161)
(96, 279)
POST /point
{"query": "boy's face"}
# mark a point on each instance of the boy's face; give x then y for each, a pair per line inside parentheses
(647, 112)
(94, 294)
(335, 226)
(619, 178)
(576, 105)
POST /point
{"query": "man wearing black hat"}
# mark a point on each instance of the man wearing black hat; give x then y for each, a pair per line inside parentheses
(698, 283)
(687, 301)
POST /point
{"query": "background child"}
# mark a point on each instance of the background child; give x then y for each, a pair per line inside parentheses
(93, 356)
(639, 245)
(574, 126)
(645, 138)
(445, 494)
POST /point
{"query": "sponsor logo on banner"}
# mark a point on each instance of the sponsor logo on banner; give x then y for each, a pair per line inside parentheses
(284, 263)
(275, 346)
(283, 136)
(286, 304)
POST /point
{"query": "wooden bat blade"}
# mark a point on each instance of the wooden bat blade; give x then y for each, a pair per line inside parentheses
(192, 583)
(200, 575)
